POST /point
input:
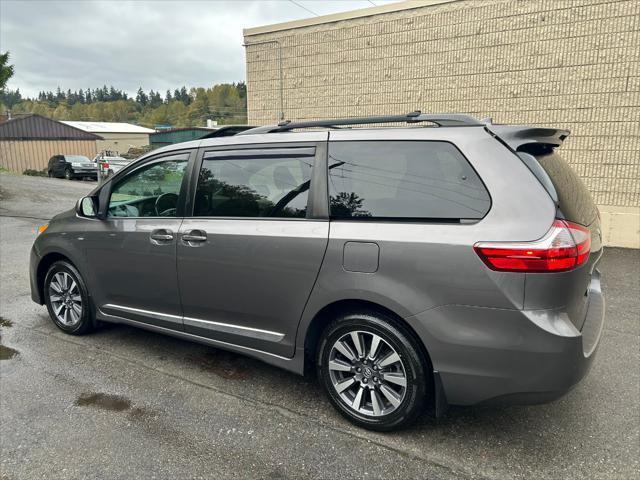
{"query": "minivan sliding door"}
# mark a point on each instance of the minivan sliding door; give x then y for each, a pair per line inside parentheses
(250, 254)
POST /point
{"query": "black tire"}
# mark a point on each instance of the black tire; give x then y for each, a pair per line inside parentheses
(414, 365)
(50, 174)
(86, 316)
(68, 174)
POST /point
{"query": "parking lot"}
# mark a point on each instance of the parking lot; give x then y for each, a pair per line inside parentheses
(126, 403)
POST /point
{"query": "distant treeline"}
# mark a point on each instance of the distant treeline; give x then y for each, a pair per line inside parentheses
(226, 103)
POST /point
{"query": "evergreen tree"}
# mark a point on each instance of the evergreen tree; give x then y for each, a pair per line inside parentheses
(241, 87)
(184, 96)
(155, 100)
(225, 103)
(6, 70)
(141, 98)
(9, 98)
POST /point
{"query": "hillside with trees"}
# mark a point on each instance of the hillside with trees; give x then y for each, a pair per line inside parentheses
(226, 103)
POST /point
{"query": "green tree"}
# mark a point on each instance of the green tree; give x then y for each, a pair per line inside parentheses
(184, 96)
(10, 98)
(141, 98)
(225, 103)
(6, 70)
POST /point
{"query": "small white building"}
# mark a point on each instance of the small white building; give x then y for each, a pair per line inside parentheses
(116, 136)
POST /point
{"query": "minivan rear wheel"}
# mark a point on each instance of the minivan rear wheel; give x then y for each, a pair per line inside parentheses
(373, 371)
(67, 299)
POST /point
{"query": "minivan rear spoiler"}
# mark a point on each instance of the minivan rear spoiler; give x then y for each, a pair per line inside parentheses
(517, 136)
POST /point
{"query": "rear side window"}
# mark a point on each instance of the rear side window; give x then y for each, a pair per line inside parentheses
(255, 183)
(574, 199)
(403, 180)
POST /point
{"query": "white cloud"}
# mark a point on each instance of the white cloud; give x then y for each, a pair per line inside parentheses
(158, 45)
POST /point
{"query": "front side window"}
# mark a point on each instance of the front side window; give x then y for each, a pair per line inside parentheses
(265, 185)
(403, 180)
(151, 191)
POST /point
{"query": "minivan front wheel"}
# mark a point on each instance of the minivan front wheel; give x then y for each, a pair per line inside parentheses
(373, 371)
(67, 299)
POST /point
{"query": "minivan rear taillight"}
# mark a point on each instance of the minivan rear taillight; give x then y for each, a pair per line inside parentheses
(565, 246)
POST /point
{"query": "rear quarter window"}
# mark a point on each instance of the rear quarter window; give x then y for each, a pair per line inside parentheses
(420, 180)
(573, 198)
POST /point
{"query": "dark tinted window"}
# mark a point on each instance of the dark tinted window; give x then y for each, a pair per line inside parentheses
(392, 179)
(574, 200)
(272, 185)
(539, 172)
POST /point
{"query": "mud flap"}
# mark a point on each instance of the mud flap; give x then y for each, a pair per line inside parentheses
(440, 399)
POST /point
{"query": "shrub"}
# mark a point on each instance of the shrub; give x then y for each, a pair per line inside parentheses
(35, 173)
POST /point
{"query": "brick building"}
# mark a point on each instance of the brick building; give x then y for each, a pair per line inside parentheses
(566, 63)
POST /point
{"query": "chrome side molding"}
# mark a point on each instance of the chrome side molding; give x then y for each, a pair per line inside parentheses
(239, 330)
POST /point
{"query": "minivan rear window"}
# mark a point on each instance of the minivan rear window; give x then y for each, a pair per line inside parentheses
(421, 180)
(573, 198)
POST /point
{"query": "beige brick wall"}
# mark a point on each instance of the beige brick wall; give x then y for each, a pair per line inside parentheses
(565, 63)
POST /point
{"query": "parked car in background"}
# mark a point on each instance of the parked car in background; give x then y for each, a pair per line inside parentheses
(72, 166)
(450, 265)
(109, 163)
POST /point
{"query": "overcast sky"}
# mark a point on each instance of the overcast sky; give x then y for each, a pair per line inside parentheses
(154, 44)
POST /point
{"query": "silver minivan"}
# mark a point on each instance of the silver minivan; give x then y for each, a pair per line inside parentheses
(446, 261)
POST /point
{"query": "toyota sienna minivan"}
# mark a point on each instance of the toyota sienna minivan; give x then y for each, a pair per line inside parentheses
(448, 261)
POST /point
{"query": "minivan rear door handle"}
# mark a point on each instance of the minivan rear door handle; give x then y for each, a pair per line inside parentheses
(194, 236)
(161, 236)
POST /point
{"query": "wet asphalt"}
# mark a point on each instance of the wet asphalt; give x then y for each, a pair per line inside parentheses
(125, 403)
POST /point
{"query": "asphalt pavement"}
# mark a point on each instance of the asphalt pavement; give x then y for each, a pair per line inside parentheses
(126, 403)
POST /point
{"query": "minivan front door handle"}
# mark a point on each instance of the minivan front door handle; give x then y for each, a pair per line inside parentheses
(161, 236)
(194, 236)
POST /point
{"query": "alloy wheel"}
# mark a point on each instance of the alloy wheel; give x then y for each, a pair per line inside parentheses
(65, 299)
(367, 373)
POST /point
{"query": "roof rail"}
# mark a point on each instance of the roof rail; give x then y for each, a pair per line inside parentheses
(445, 120)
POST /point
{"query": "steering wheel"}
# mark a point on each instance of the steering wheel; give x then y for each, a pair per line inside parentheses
(166, 204)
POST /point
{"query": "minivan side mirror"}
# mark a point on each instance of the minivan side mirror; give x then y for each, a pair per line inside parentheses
(87, 207)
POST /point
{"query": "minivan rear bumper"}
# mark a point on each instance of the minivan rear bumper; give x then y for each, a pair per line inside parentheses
(486, 355)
